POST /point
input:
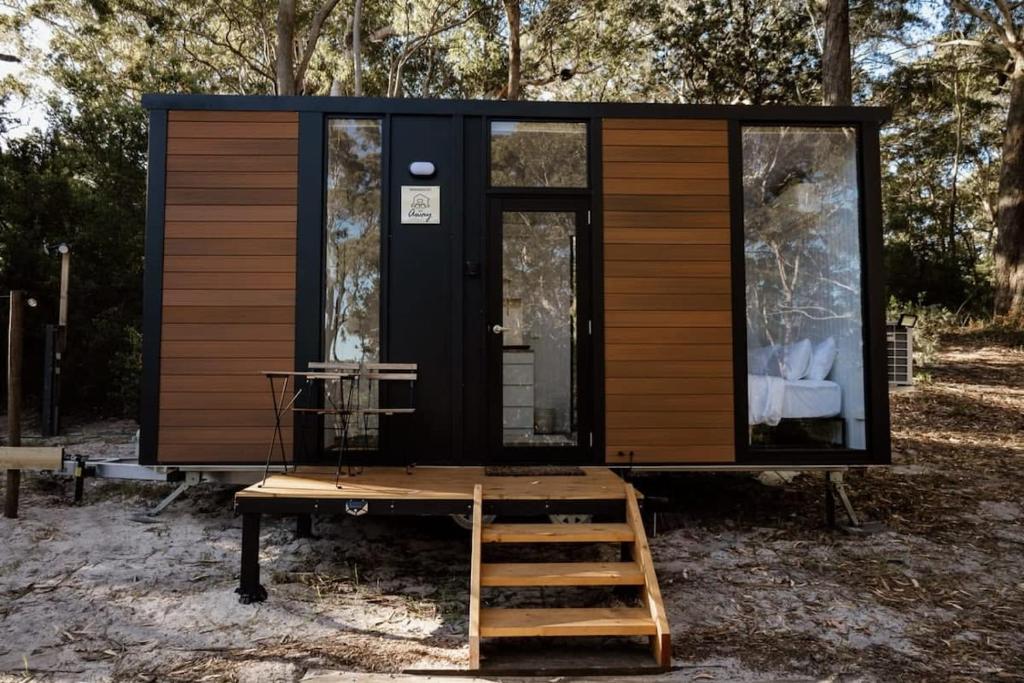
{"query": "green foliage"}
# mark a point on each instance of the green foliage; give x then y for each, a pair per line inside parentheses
(941, 166)
(83, 180)
(729, 51)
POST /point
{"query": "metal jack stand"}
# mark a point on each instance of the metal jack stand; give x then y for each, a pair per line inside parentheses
(835, 486)
(191, 480)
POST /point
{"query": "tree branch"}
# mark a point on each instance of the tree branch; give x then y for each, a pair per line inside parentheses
(311, 39)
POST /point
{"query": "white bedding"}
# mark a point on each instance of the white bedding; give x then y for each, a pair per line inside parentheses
(771, 399)
(812, 398)
(765, 398)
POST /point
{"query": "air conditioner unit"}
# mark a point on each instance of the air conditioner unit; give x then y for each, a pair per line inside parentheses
(900, 345)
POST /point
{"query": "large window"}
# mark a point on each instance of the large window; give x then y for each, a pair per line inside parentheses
(805, 350)
(352, 245)
(539, 340)
(538, 154)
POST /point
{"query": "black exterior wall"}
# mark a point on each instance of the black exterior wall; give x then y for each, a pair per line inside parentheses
(434, 290)
(152, 284)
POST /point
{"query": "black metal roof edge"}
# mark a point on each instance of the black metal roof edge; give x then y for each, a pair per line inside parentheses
(380, 105)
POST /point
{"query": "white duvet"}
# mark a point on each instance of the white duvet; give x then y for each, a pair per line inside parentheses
(765, 396)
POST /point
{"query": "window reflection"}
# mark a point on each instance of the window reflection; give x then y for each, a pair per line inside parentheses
(539, 340)
(805, 352)
(538, 154)
(352, 245)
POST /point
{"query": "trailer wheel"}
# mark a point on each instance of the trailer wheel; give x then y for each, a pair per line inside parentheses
(571, 519)
(466, 521)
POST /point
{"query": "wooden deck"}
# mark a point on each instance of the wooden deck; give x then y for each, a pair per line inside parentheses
(442, 489)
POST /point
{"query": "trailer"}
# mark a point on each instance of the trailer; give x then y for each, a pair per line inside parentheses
(576, 290)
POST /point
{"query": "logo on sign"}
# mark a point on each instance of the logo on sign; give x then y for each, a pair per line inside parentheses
(421, 204)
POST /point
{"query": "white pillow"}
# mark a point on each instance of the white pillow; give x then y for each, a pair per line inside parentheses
(822, 359)
(758, 359)
(794, 359)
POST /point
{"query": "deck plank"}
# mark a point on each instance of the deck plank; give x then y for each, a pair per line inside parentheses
(565, 621)
(562, 574)
(439, 483)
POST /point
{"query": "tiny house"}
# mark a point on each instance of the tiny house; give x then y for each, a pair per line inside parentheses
(624, 285)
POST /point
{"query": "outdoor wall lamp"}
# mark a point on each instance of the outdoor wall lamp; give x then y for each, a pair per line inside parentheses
(31, 302)
(422, 169)
(908, 320)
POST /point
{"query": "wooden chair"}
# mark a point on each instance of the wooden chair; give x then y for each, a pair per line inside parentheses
(372, 374)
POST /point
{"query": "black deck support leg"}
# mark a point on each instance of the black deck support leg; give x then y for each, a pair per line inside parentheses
(79, 478)
(304, 526)
(249, 588)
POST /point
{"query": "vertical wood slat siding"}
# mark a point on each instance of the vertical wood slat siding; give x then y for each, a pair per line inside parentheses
(229, 282)
(667, 301)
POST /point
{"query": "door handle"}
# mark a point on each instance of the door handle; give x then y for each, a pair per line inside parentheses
(498, 329)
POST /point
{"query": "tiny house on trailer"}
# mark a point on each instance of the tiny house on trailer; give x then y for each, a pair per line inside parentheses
(627, 285)
(594, 286)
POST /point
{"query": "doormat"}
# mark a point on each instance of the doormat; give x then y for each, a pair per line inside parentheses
(540, 471)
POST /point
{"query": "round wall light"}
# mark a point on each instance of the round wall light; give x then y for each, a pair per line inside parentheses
(421, 169)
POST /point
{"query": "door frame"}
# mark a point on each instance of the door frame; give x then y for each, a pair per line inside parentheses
(584, 453)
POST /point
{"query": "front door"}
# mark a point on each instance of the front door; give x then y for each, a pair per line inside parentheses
(539, 330)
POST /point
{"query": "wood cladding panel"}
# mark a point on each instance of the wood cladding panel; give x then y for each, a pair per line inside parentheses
(228, 230)
(196, 179)
(177, 365)
(668, 293)
(694, 203)
(212, 400)
(666, 219)
(231, 164)
(245, 196)
(174, 453)
(229, 264)
(234, 281)
(237, 332)
(246, 116)
(254, 149)
(229, 282)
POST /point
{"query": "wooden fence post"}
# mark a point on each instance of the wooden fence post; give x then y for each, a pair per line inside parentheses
(14, 336)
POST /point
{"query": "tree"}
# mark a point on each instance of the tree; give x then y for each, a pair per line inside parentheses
(837, 75)
(1003, 23)
(736, 51)
(514, 16)
(290, 76)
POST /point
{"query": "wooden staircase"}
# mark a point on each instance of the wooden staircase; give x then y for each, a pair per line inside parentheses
(647, 619)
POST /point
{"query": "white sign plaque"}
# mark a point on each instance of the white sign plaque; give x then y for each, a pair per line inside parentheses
(421, 204)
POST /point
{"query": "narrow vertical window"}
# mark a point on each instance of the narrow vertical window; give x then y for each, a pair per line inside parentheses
(805, 337)
(352, 245)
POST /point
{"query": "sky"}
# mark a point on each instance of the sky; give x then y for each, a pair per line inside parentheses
(31, 113)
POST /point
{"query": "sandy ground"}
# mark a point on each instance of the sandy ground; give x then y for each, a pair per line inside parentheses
(932, 588)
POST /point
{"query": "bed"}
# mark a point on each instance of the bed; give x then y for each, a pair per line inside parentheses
(771, 399)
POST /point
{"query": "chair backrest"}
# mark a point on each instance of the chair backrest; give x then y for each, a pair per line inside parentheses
(375, 371)
(334, 366)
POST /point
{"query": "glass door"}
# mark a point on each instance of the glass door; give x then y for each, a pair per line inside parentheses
(539, 327)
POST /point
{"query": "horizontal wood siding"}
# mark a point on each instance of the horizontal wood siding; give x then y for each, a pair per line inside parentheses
(667, 291)
(229, 282)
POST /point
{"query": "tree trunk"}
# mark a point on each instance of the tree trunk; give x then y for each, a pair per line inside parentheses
(514, 15)
(357, 48)
(837, 79)
(957, 152)
(285, 59)
(1009, 250)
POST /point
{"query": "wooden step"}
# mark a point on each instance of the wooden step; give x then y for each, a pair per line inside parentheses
(562, 574)
(557, 533)
(562, 621)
